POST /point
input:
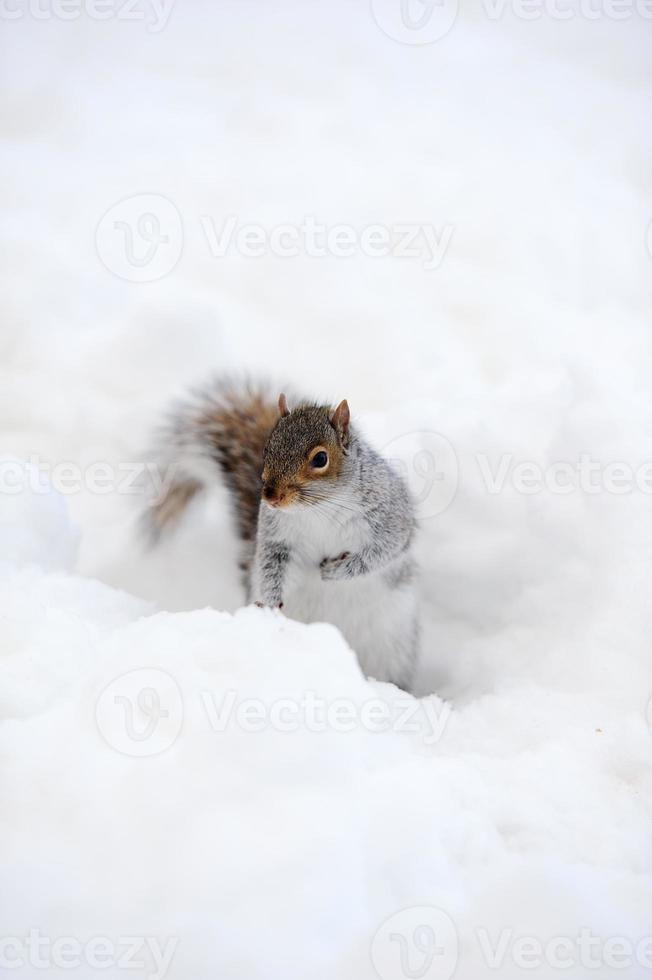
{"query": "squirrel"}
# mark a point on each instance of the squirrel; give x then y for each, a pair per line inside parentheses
(326, 524)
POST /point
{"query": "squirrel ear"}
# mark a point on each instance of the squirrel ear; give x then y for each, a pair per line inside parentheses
(340, 421)
(283, 405)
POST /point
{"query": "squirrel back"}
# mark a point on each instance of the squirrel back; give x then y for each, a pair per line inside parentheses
(225, 424)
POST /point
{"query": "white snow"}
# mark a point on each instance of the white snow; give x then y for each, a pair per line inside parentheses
(222, 784)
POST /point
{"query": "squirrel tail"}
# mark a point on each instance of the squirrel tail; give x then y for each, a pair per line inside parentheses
(221, 427)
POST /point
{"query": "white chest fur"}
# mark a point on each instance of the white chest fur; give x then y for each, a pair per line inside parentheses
(370, 612)
(314, 533)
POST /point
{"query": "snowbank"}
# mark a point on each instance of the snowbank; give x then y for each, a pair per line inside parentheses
(177, 780)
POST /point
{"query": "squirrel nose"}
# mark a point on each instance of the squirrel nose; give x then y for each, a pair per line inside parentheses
(272, 495)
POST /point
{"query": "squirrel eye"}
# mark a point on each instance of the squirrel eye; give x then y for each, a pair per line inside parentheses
(319, 460)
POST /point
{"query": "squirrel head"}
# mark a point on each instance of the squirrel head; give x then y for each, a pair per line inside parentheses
(305, 453)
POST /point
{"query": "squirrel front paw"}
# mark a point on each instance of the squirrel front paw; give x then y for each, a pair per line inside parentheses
(334, 568)
(265, 605)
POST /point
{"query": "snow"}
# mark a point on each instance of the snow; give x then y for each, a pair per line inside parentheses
(221, 784)
(35, 525)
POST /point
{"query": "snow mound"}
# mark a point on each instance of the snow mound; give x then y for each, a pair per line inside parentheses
(187, 777)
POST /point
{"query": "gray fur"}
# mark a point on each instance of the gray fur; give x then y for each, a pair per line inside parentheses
(374, 499)
(304, 427)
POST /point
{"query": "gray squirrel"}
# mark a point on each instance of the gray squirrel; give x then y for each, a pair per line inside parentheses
(326, 524)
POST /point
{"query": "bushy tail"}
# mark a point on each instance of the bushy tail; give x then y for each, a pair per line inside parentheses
(221, 427)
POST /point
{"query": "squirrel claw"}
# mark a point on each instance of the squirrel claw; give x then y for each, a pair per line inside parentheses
(325, 562)
(332, 567)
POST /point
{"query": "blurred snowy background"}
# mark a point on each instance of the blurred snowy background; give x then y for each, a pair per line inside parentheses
(141, 144)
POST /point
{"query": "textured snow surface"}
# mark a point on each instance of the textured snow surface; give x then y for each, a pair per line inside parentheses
(221, 784)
